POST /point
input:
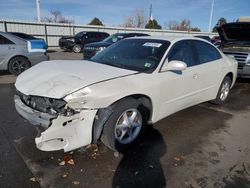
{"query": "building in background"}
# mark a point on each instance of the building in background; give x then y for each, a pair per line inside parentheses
(243, 19)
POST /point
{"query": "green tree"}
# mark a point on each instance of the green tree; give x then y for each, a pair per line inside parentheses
(95, 21)
(220, 22)
(152, 24)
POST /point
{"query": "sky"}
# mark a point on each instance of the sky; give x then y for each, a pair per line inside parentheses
(114, 12)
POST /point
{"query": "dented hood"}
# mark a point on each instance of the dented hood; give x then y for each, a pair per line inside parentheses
(56, 79)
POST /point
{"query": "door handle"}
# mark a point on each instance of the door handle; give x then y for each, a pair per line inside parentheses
(195, 76)
(11, 47)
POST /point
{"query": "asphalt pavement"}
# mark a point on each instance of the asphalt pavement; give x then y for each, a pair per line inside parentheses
(202, 146)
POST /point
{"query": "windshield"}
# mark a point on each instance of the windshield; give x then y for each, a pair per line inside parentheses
(114, 38)
(80, 34)
(142, 55)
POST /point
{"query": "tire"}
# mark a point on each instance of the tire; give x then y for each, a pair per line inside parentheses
(223, 92)
(77, 48)
(18, 64)
(118, 133)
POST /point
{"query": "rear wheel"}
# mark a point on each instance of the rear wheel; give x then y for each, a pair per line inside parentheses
(125, 125)
(18, 64)
(77, 48)
(224, 90)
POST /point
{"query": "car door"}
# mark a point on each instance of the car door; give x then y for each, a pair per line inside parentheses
(209, 64)
(179, 89)
(6, 48)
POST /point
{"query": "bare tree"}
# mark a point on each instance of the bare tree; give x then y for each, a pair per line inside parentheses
(56, 17)
(137, 19)
(183, 25)
(172, 25)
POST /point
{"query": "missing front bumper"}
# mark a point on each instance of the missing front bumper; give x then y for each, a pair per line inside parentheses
(62, 132)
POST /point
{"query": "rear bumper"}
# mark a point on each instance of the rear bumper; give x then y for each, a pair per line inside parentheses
(244, 72)
(61, 132)
(37, 57)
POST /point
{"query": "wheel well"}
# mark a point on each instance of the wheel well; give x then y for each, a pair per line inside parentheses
(230, 75)
(104, 113)
(18, 56)
(142, 99)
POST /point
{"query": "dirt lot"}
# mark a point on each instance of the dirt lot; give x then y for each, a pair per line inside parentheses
(202, 146)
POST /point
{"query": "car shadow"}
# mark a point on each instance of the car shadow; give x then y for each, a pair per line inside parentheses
(140, 165)
(4, 72)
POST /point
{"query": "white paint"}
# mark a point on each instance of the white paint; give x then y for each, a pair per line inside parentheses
(169, 92)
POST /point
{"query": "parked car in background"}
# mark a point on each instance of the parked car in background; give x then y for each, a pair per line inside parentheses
(216, 39)
(17, 54)
(205, 37)
(77, 42)
(91, 49)
(37, 41)
(113, 96)
(235, 42)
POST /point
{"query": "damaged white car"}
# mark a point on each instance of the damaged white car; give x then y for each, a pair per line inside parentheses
(120, 90)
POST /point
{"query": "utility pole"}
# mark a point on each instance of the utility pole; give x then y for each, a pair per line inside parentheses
(211, 16)
(150, 13)
(38, 11)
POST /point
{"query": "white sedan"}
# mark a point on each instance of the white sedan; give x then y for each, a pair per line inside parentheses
(114, 96)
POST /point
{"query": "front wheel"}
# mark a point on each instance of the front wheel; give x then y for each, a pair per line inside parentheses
(223, 92)
(77, 48)
(125, 126)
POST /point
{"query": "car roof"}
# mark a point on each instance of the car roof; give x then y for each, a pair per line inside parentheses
(170, 38)
(13, 38)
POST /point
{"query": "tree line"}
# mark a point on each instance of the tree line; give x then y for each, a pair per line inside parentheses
(137, 19)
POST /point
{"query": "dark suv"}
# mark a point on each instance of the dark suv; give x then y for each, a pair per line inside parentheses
(77, 42)
(91, 49)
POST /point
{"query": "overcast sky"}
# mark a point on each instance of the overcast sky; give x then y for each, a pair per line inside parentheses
(114, 12)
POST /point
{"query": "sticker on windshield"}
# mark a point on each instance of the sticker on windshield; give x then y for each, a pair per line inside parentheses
(152, 44)
(147, 65)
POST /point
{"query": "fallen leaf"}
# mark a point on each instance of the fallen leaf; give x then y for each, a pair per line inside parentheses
(76, 182)
(116, 154)
(151, 166)
(66, 158)
(62, 163)
(71, 162)
(177, 159)
(33, 179)
(65, 175)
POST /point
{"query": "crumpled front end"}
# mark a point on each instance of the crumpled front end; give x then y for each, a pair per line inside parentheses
(64, 128)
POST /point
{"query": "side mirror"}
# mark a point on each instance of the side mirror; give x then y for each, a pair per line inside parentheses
(174, 65)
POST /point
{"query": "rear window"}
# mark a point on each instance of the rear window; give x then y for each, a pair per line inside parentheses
(4, 40)
(206, 52)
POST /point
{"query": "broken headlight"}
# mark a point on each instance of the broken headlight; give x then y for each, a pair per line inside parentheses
(46, 105)
(77, 100)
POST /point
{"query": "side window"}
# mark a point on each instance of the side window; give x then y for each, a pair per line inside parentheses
(91, 35)
(206, 52)
(182, 51)
(4, 40)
